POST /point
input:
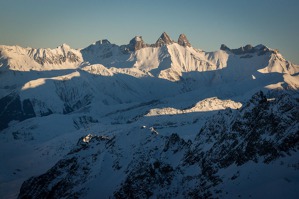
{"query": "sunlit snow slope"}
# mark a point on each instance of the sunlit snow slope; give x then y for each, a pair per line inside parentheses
(49, 98)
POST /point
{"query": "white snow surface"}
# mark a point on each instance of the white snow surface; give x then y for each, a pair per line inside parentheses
(171, 89)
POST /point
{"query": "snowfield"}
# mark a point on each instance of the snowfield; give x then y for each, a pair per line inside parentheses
(148, 120)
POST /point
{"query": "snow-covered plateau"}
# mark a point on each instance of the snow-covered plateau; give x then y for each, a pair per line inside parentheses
(163, 120)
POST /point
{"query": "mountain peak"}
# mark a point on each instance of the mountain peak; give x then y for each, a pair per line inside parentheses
(224, 47)
(136, 43)
(183, 41)
(260, 49)
(164, 39)
(103, 41)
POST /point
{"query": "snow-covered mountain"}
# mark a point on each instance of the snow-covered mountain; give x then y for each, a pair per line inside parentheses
(140, 163)
(167, 115)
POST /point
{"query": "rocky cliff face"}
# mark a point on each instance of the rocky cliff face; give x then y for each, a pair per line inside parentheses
(183, 41)
(263, 131)
(136, 44)
(63, 54)
(157, 120)
(14, 109)
(164, 39)
(260, 49)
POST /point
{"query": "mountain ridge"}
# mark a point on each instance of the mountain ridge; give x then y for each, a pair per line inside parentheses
(84, 113)
(183, 56)
(150, 170)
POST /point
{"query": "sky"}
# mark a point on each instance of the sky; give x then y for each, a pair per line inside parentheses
(206, 23)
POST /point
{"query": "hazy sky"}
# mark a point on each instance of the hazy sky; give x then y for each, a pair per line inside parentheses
(207, 24)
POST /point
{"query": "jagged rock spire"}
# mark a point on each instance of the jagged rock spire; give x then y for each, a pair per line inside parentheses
(183, 41)
(164, 39)
(224, 47)
(260, 49)
(136, 43)
(103, 41)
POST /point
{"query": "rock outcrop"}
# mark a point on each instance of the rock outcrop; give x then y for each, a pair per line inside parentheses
(136, 44)
(183, 41)
(164, 39)
(168, 166)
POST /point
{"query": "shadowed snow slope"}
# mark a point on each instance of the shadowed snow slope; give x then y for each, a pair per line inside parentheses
(153, 120)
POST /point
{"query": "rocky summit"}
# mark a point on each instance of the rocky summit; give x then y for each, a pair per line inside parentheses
(183, 41)
(162, 120)
(164, 39)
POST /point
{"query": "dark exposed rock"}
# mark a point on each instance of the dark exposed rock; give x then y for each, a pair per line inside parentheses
(243, 50)
(103, 42)
(136, 44)
(175, 143)
(246, 50)
(84, 121)
(12, 108)
(72, 96)
(164, 39)
(224, 47)
(49, 186)
(141, 182)
(43, 56)
(261, 131)
(183, 41)
(62, 180)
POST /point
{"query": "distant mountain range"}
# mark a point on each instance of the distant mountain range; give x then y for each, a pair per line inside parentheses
(148, 120)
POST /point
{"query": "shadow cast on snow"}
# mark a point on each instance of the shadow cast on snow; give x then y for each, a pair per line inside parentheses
(81, 91)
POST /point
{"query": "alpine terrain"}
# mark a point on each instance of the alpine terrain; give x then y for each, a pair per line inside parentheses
(162, 120)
